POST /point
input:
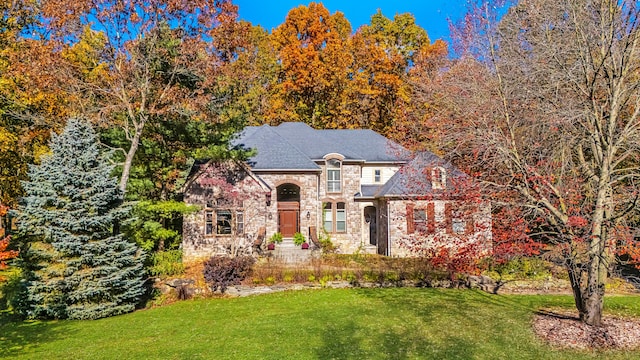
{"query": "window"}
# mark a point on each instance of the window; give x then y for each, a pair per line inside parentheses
(333, 176)
(208, 222)
(328, 217)
(341, 217)
(377, 175)
(239, 222)
(223, 222)
(458, 226)
(438, 178)
(335, 217)
(459, 219)
(421, 220)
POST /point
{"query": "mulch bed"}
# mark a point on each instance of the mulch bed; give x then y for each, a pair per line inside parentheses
(563, 330)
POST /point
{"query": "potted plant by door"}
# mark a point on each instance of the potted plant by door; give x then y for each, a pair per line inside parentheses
(299, 239)
(273, 240)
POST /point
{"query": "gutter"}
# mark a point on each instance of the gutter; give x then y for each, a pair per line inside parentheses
(286, 170)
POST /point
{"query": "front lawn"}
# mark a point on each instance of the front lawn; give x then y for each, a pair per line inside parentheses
(398, 323)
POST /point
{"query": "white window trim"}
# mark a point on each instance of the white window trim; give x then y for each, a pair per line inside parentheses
(374, 176)
(333, 219)
(333, 181)
(438, 182)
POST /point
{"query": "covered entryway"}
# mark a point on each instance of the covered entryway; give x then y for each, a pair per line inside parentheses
(288, 209)
(370, 219)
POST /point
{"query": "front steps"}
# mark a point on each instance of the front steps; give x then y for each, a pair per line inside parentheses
(288, 252)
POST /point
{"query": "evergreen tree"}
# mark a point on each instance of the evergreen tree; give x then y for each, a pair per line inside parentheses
(75, 266)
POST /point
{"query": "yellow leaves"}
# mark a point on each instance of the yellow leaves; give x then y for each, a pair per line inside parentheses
(7, 140)
(85, 55)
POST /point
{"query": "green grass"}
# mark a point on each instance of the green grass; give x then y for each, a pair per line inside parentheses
(393, 323)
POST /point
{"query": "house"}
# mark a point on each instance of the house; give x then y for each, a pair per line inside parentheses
(365, 192)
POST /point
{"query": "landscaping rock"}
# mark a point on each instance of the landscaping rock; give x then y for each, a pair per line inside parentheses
(174, 283)
(482, 282)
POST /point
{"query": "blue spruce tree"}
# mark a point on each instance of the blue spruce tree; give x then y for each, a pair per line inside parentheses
(74, 264)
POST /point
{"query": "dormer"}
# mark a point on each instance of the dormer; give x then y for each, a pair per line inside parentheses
(438, 178)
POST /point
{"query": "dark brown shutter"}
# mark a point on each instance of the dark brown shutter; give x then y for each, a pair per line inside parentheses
(448, 217)
(410, 225)
(431, 218)
(469, 220)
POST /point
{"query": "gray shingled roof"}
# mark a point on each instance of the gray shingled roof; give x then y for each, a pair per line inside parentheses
(413, 179)
(272, 151)
(369, 191)
(295, 146)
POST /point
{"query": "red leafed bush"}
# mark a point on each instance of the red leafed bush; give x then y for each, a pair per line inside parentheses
(222, 271)
(4, 253)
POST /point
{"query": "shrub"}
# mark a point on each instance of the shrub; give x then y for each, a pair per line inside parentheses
(325, 242)
(11, 291)
(222, 271)
(167, 263)
(276, 238)
(299, 239)
(521, 269)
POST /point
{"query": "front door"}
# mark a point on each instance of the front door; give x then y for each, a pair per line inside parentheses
(288, 220)
(288, 209)
(370, 220)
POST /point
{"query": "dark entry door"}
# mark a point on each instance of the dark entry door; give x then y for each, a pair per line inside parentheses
(288, 222)
(370, 219)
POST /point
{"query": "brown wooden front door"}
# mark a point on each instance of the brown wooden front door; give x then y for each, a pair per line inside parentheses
(288, 218)
(288, 222)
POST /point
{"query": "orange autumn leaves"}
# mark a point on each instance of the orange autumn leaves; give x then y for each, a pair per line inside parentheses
(126, 64)
(330, 77)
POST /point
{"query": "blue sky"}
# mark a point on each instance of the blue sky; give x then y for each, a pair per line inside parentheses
(432, 15)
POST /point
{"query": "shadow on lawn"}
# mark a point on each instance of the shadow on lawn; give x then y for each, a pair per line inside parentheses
(346, 342)
(16, 335)
(353, 338)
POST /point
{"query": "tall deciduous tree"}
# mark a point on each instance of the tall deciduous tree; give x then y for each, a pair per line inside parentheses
(312, 44)
(30, 105)
(75, 266)
(556, 131)
(383, 52)
(136, 62)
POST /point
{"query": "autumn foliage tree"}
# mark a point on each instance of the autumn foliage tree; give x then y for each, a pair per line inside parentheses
(133, 64)
(30, 105)
(544, 107)
(384, 51)
(313, 76)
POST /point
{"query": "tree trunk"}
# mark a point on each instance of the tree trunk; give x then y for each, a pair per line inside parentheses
(594, 296)
(128, 161)
(575, 276)
(598, 264)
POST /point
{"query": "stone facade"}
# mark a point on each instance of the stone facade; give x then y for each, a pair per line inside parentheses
(249, 197)
(308, 183)
(402, 242)
(350, 240)
(372, 225)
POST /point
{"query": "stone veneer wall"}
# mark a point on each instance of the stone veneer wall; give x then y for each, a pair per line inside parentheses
(391, 215)
(197, 245)
(308, 183)
(383, 227)
(398, 226)
(351, 240)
